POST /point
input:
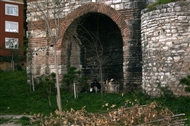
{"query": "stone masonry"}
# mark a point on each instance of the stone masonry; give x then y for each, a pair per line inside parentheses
(126, 15)
(156, 50)
(166, 47)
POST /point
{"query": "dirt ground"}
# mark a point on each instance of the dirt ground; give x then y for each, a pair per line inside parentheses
(12, 119)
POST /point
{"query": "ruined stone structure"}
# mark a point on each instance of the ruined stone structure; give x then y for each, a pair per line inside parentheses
(162, 57)
(125, 15)
(166, 47)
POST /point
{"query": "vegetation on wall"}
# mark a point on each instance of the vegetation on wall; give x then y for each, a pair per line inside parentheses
(158, 2)
(186, 81)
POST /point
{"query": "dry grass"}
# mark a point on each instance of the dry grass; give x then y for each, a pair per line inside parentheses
(144, 115)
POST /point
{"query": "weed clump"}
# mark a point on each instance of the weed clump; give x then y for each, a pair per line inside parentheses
(186, 81)
(158, 2)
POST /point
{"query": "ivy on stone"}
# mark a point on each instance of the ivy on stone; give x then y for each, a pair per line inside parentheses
(186, 81)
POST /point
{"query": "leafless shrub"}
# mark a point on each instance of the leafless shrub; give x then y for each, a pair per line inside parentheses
(144, 115)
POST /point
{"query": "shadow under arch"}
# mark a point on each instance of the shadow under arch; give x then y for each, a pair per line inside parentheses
(100, 8)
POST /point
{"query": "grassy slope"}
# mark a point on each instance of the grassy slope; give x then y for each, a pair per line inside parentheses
(13, 91)
(16, 98)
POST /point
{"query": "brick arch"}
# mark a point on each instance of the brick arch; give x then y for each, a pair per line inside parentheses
(114, 15)
(99, 8)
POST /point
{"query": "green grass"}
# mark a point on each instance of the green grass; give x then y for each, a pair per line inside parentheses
(25, 121)
(158, 2)
(3, 120)
(16, 98)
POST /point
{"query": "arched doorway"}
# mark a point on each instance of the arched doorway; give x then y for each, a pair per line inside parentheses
(93, 43)
(69, 25)
(102, 45)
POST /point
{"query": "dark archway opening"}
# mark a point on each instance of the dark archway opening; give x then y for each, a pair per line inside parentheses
(101, 45)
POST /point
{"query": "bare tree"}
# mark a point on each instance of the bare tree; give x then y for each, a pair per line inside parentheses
(100, 53)
(29, 58)
(50, 12)
(12, 45)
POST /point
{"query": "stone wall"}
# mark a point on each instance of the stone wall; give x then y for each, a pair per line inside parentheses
(166, 47)
(125, 14)
(164, 44)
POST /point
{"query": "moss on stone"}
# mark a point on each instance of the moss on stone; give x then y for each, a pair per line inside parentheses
(158, 2)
